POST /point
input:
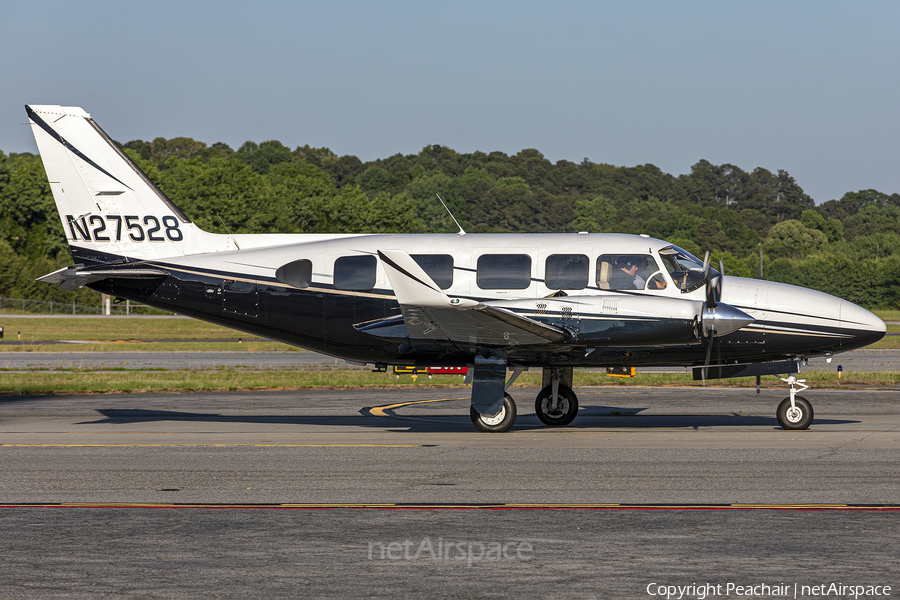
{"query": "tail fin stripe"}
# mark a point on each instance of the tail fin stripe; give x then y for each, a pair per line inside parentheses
(43, 125)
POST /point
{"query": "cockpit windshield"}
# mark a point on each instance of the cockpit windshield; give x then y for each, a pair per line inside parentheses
(685, 268)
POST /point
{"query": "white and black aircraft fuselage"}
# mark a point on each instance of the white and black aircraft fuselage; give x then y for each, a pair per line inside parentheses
(493, 302)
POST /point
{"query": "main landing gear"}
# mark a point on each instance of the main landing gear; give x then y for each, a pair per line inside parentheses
(794, 412)
(556, 405)
(498, 423)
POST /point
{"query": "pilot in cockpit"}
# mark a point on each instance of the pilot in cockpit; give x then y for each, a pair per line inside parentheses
(626, 273)
(629, 272)
(639, 279)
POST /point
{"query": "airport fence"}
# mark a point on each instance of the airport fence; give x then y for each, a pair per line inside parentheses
(49, 307)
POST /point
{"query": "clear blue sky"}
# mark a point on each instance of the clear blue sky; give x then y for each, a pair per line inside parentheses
(812, 87)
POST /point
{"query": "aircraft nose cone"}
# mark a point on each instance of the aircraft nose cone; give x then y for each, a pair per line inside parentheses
(863, 327)
(726, 319)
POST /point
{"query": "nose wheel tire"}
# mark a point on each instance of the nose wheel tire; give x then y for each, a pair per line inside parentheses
(498, 423)
(560, 414)
(798, 417)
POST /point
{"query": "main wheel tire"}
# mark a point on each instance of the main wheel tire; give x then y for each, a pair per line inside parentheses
(566, 407)
(498, 423)
(799, 417)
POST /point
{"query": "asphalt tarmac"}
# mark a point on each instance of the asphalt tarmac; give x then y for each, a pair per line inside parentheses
(391, 493)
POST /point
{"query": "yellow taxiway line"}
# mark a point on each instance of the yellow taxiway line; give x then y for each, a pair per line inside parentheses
(97, 445)
(379, 411)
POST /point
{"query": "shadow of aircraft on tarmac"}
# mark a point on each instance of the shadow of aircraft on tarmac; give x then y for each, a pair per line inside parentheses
(595, 417)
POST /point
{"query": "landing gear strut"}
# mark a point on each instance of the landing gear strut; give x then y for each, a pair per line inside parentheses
(556, 405)
(795, 412)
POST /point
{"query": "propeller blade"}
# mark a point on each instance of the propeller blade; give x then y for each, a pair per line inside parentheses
(713, 292)
(720, 280)
(718, 344)
(721, 283)
(713, 284)
(705, 369)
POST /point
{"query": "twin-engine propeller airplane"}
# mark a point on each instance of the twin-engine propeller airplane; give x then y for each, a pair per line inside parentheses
(492, 302)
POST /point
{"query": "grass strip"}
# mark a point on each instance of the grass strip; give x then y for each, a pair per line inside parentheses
(32, 383)
(246, 345)
(50, 328)
(135, 346)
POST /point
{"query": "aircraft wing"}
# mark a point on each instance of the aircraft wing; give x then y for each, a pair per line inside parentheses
(430, 316)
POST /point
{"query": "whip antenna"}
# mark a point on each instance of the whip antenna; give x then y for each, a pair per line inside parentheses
(461, 232)
(233, 239)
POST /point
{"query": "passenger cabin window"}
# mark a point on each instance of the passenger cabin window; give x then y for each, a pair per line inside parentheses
(503, 271)
(566, 271)
(355, 272)
(297, 274)
(438, 266)
(625, 271)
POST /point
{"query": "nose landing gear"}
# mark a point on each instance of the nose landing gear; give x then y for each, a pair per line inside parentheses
(794, 412)
(559, 411)
(556, 405)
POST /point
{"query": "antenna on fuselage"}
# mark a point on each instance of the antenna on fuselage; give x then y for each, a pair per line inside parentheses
(233, 239)
(461, 232)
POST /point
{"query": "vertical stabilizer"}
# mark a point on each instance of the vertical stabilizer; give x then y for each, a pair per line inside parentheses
(110, 210)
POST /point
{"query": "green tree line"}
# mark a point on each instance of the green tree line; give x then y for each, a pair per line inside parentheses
(848, 247)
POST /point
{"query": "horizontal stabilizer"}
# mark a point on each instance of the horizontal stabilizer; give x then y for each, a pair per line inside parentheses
(76, 276)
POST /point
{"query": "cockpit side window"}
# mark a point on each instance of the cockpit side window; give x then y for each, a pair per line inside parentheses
(685, 269)
(625, 271)
(657, 282)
